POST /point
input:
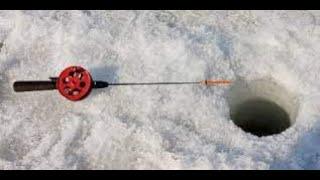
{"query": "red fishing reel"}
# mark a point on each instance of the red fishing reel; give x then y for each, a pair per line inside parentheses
(74, 83)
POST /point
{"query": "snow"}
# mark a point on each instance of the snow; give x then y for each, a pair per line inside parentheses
(155, 127)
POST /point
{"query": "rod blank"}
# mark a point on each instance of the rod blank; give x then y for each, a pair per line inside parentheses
(151, 83)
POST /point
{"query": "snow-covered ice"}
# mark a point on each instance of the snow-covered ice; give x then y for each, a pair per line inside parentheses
(156, 127)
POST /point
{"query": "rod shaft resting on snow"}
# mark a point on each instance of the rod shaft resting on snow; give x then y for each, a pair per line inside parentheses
(75, 83)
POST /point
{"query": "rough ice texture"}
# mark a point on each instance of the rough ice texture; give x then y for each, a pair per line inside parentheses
(158, 127)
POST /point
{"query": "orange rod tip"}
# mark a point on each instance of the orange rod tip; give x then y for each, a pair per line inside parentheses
(215, 82)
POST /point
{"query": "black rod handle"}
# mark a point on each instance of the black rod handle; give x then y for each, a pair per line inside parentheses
(20, 86)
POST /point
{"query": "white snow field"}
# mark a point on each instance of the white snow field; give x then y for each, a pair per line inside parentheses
(269, 54)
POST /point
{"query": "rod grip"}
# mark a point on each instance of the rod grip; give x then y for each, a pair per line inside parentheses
(20, 86)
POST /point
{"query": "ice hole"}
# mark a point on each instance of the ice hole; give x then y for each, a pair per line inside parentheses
(261, 107)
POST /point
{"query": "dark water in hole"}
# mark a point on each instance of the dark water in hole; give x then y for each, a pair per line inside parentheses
(261, 117)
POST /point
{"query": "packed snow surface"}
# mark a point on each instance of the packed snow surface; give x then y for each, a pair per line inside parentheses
(157, 127)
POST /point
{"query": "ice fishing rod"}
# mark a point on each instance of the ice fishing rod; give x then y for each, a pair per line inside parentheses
(75, 83)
